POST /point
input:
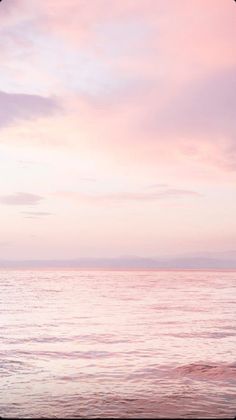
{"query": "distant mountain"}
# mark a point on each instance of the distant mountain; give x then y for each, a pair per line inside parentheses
(219, 261)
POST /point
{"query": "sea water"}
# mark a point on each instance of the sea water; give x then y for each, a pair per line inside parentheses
(128, 344)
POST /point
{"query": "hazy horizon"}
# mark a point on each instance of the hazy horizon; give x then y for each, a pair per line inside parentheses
(126, 263)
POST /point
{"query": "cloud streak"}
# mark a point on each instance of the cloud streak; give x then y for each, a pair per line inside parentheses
(36, 213)
(140, 196)
(21, 199)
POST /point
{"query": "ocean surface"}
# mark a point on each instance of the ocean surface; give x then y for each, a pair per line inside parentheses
(123, 344)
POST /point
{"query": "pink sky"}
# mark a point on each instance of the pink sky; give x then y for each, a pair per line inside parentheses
(117, 128)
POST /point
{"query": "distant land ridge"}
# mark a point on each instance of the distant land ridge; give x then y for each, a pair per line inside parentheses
(127, 263)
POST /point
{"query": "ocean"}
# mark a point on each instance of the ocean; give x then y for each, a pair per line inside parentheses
(121, 344)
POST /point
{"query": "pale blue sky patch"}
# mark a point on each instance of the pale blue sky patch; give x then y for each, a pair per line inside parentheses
(123, 38)
(36, 63)
(73, 70)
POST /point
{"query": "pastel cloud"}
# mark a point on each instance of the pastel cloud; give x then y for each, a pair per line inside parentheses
(15, 107)
(20, 199)
(205, 107)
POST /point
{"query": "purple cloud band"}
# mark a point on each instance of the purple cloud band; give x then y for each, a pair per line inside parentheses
(20, 106)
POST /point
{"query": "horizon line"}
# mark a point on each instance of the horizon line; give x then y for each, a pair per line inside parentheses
(124, 263)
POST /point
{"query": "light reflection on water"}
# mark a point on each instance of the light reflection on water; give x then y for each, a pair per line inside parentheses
(117, 344)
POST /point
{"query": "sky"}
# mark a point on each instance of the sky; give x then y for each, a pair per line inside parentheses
(117, 128)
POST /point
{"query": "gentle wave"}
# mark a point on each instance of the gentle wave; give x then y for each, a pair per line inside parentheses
(208, 371)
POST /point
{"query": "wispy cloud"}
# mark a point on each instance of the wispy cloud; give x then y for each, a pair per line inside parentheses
(20, 106)
(36, 214)
(142, 196)
(122, 196)
(20, 199)
(205, 107)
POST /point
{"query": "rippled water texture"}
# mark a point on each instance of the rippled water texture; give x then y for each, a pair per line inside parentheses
(118, 344)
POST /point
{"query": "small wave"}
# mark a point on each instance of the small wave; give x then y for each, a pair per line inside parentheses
(207, 371)
(66, 355)
(42, 339)
(216, 335)
(100, 338)
(11, 366)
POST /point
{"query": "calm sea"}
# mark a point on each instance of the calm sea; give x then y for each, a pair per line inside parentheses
(118, 344)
